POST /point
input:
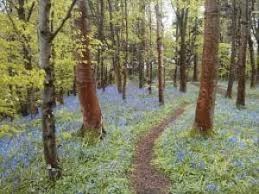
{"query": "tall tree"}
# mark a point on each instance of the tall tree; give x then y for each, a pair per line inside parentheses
(203, 123)
(114, 29)
(101, 37)
(252, 61)
(92, 116)
(182, 18)
(124, 70)
(160, 53)
(240, 101)
(234, 27)
(149, 62)
(142, 46)
(46, 38)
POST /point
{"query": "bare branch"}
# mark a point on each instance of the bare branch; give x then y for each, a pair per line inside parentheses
(64, 20)
(30, 11)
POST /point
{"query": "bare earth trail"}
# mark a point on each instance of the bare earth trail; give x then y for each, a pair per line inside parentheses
(145, 178)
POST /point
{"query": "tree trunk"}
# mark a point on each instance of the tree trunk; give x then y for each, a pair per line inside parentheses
(160, 54)
(257, 79)
(182, 61)
(203, 123)
(116, 48)
(74, 82)
(101, 37)
(125, 70)
(92, 116)
(176, 51)
(240, 102)
(252, 61)
(149, 63)
(142, 46)
(195, 68)
(28, 107)
(232, 70)
(48, 120)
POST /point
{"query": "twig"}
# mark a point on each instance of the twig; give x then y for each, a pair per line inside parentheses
(30, 11)
(64, 20)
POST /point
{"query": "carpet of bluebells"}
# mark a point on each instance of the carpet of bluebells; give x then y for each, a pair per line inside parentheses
(100, 168)
(226, 163)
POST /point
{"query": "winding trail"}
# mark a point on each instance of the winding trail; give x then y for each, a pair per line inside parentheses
(145, 178)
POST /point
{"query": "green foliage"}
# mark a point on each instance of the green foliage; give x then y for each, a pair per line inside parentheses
(224, 59)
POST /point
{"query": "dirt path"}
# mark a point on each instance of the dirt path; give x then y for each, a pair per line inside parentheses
(145, 178)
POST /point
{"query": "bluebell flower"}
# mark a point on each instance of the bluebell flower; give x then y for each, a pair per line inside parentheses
(233, 140)
(180, 156)
(212, 187)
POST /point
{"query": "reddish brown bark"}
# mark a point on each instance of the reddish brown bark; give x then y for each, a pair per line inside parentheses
(203, 123)
(240, 102)
(92, 116)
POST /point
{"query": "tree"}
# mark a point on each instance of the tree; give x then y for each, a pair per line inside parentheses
(114, 29)
(203, 123)
(149, 62)
(234, 27)
(46, 37)
(160, 53)
(240, 101)
(124, 70)
(182, 18)
(92, 116)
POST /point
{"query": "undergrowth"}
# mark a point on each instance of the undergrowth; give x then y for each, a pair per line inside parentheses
(102, 168)
(228, 162)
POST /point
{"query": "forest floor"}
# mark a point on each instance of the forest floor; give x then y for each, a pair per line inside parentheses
(188, 165)
(226, 163)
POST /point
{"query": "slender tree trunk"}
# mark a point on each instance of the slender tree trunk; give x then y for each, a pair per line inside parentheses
(240, 102)
(176, 50)
(252, 61)
(195, 68)
(48, 120)
(182, 60)
(116, 58)
(257, 79)
(101, 37)
(203, 123)
(28, 107)
(149, 63)
(124, 71)
(142, 43)
(160, 54)
(233, 62)
(92, 116)
(74, 82)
